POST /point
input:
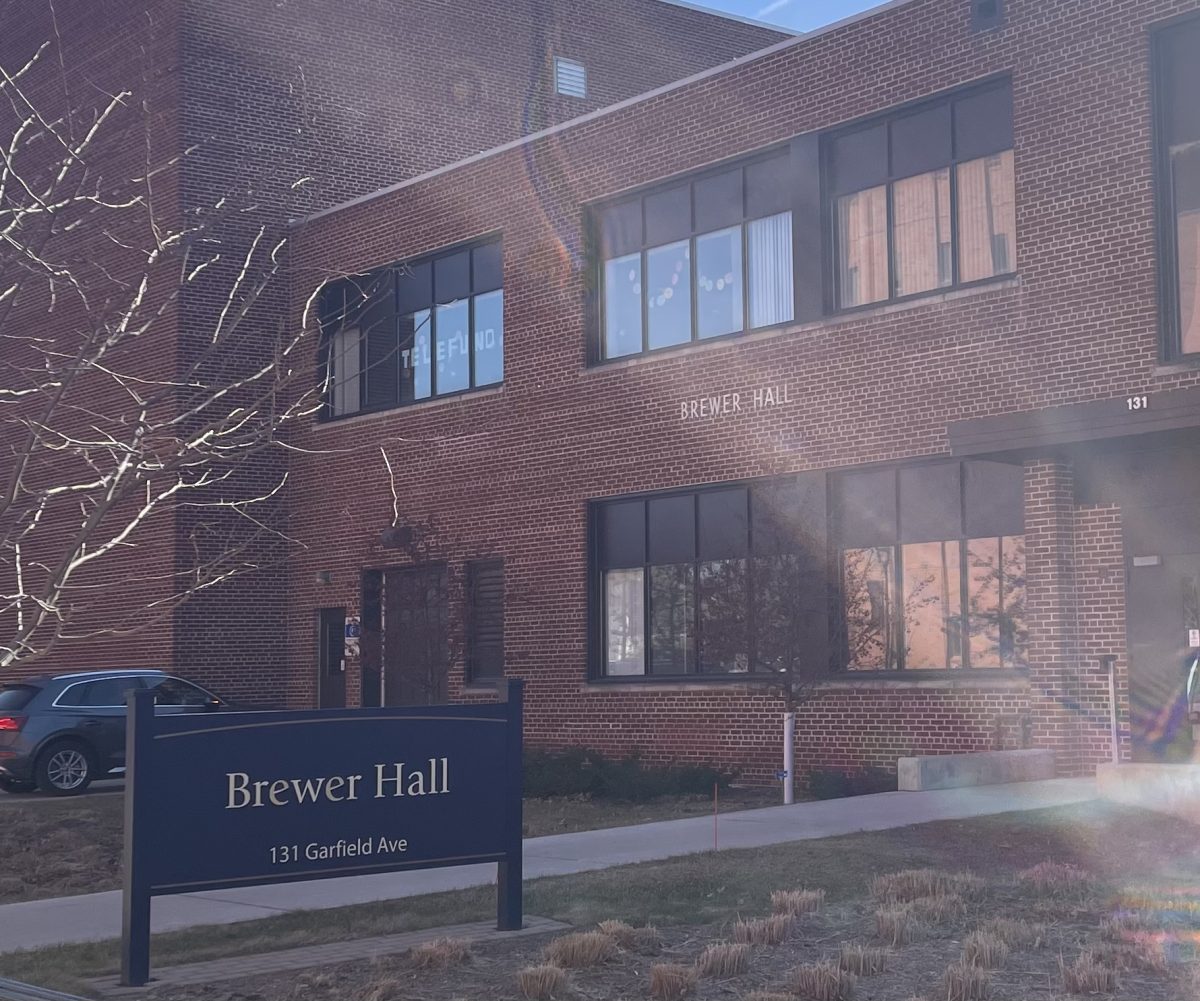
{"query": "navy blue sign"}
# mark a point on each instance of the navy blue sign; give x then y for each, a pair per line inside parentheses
(220, 800)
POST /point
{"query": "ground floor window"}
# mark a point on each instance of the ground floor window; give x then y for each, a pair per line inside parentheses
(932, 563)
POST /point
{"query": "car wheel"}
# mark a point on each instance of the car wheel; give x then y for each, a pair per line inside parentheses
(15, 785)
(65, 769)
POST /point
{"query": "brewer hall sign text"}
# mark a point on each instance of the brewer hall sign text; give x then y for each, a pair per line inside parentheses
(734, 402)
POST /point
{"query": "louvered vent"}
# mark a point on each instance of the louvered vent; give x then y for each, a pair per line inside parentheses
(570, 78)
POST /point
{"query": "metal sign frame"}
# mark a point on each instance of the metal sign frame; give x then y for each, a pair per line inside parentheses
(161, 815)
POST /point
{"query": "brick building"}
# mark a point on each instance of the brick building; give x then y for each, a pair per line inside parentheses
(274, 110)
(869, 359)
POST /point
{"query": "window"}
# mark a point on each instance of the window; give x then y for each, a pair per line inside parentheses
(485, 620)
(724, 581)
(173, 692)
(932, 567)
(1177, 52)
(703, 258)
(429, 328)
(570, 78)
(924, 200)
(106, 693)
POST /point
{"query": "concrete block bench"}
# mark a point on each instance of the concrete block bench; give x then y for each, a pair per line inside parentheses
(950, 771)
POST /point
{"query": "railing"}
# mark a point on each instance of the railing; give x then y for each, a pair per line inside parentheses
(12, 990)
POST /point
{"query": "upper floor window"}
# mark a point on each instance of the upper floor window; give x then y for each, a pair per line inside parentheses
(432, 327)
(923, 200)
(1178, 61)
(932, 567)
(700, 259)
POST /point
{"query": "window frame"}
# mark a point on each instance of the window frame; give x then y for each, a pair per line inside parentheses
(837, 548)
(829, 240)
(348, 319)
(1170, 324)
(472, 674)
(593, 229)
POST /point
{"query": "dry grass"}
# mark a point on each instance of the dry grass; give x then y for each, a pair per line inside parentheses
(384, 990)
(669, 981)
(1056, 879)
(763, 931)
(1014, 933)
(964, 982)
(1122, 924)
(797, 902)
(985, 950)
(913, 884)
(581, 950)
(542, 983)
(645, 940)
(440, 954)
(1087, 975)
(1144, 953)
(768, 996)
(724, 959)
(896, 925)
(946, 908)
(825, 981)
(862, 960)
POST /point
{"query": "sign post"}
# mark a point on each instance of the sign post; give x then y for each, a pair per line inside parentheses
(219, 800)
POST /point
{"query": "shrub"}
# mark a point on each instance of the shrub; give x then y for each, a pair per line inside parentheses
(964, 982)
(834, 783)
(723, 959)
(797, 902)
(580, 950)
(825, 981)
(862, 960)
(581, 772)
(542, 983)
(670, 981)
(763, 931)
(645, 940)
(985, 950)
(1087, 975)
(440, 954)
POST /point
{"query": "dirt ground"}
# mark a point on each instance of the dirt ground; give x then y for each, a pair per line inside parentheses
(58, 848)
(1141, 868)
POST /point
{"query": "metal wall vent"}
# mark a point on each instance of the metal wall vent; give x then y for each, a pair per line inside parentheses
(570, 77)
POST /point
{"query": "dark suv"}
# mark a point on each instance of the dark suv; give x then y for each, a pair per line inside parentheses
(60, 733)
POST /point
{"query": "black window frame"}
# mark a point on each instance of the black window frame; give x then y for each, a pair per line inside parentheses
(344, 302)
(829, 196)
(1166, 236)
(757, 491)
(594, 211)
(476, 671)
(838, 545)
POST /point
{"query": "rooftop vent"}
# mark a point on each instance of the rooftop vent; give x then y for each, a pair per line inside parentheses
(570, 78)
(986, 14)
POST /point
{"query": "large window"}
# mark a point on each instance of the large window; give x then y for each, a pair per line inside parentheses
(428, 328)
(704, 258)
(724, 581)
(1178, 51)
(923, 200)
(932, 567)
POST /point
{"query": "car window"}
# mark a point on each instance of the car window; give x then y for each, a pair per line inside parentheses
(173, 692)
(104, 692)
(13, 697)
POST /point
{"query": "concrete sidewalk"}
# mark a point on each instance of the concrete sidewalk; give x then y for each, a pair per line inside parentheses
(97, 916)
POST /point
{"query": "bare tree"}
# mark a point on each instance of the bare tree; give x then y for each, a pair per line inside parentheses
(115, 418)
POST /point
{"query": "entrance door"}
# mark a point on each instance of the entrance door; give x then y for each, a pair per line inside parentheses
(415, 643)
(1163, 606)
(332, 658)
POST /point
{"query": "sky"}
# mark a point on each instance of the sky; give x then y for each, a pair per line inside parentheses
(799, 15)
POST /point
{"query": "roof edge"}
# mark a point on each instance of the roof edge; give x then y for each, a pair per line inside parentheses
(727, 16)
(609, 109)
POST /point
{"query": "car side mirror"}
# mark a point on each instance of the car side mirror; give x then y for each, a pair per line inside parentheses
(213, 703)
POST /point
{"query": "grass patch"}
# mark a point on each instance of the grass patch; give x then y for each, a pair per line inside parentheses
(670, 981)
(825, 981)
(542, 983)
(763, 931)
(797, 902)
(965, 982)
(580, 950)
(723, 959)
(862, 960)
(440, 954)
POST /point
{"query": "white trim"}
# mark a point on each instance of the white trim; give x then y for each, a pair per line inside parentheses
(629, 102)
(726, 15)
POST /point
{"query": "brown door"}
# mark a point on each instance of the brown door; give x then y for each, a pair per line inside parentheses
(332, 658)
(415, 648)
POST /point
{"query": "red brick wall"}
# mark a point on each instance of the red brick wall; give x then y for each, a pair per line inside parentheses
(510, 471)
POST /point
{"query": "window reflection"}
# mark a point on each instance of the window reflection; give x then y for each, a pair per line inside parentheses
(719, 282)
(869, 607)
(922, 233)
(996, 597)
(778, 618)
(624, 605)
(345, 381)
(672, 619)
(932, 605)
(987, 217)
(416, 355)
(489, 338)
(1185, 165)
(453, 359)
(669, 294)
(724, 636)
(862, 247)
(623, 306)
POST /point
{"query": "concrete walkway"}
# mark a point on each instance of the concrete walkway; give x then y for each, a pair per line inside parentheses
(97, 916)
